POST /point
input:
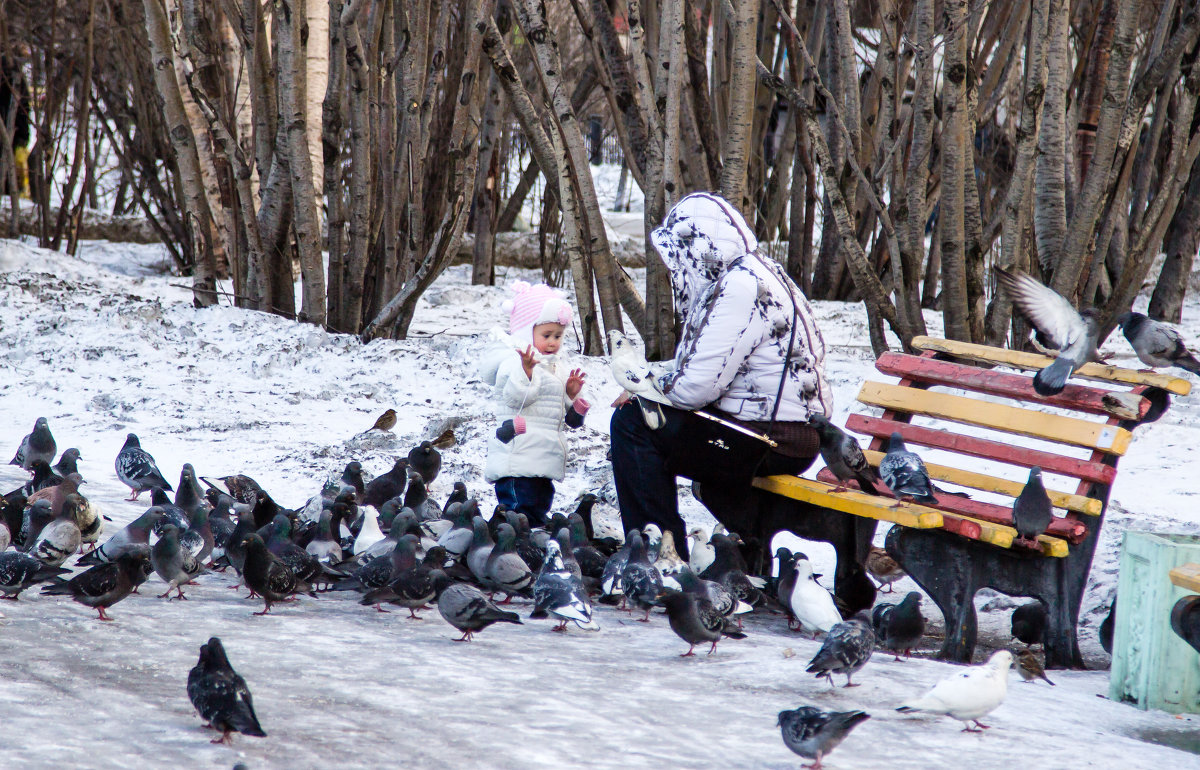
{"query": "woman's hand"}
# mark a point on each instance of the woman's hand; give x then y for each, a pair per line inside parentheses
(528, 361)
(575, 383)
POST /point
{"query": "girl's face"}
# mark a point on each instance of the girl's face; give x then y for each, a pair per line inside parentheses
(547, 338)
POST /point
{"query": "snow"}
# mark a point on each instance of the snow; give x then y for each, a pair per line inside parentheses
(106, 343)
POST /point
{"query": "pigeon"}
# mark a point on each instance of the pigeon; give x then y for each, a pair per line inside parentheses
(103, 585)
(134, 537)
(173, 563)
(668, 562)
(172, 513)
(722, 600)
(5, 535)
(457, 539)
(847, 648)
(411, 585)
(883, 568)
(1031, 512)
(640, 580)
(303, 564)
(1029, 623)
(387, 485)
(416, 497)
(457, 495)
(695, 620)
(221, 526)
(729, 568)
(58, 493)
(481, 548)
(136, 469)
(653, 537)
(352, 479)
(189, 496)
(531, 553)
(43, 477)
(591, 561)
(504, 570)
(1156, 343)
(1030, 668)
(630, 370)
(19, 570)
(563, 538)
(198, 539)
(904, 473)
(425, 460)
(785, 583)
(969, 695)
(898, 627)
(559, 593)
(38, 445)
(810, 603)
(1105, 631)
(59, 540)
(466, 608)
(220, 696)
(269, 577)
(844, 457)
(610, 583)
(1073, 334)
(701, 552)
(37, 517)
(68, 462)
(385, 421)
(324, 548)
(812, 733)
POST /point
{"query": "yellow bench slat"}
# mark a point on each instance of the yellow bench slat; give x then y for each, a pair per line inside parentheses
(1023, 360)
(1002, 417)
(1003, 536)
(1187, 576)
(982, 481)
(851, 501)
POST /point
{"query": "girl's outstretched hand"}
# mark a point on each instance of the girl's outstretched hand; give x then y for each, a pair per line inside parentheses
(575, 382)
(528, 361)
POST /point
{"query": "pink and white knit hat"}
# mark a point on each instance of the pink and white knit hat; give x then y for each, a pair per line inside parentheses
(534, 305)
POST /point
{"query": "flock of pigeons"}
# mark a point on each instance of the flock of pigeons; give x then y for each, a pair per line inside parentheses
(410, 552)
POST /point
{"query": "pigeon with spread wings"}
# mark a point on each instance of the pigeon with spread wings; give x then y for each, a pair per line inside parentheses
(630, 370)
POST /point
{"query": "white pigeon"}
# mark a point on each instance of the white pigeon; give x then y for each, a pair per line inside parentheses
(630, 370)
(968, 695)
(369, 535)
(701, 553)
(811, 604)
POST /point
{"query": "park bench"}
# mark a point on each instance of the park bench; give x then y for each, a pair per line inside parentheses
(962, 544)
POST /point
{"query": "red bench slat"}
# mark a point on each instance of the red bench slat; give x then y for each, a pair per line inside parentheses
(979, 447)
(996, 383)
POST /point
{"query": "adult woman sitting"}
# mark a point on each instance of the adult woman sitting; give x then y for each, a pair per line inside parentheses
(749, 352)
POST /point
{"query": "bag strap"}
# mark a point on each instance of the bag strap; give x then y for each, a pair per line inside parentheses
(791, 347)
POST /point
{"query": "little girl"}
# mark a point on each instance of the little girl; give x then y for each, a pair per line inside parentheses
(528, 452)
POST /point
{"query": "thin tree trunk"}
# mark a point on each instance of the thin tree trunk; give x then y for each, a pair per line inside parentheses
(483, 268)
(742, 82)
(1180, 244)
(951, 230)
(1050, 206)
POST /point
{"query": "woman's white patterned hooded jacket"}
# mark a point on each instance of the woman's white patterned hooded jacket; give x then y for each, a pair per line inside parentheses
(737, 308)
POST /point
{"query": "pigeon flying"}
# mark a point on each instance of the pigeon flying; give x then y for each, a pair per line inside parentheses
(1075, 335)
(630, 370)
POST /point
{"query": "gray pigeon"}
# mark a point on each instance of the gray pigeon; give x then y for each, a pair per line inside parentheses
(416, 498)
(505, 571)
(904, 472)
(136, 469)
(386, 485)
(785, 584)
(457, 539)
(847, 648)
(481, 548)
(38, 445)
(898, 627)
(220, 695)
(412, 582)
(1029, 623)
(103, 585)
(695, 620)
(36, 518)
(457, 495)
(812, 733)
(466, 608)
(324, 548)
(133, 538)
(1074, 334)
(721, 598)
(1156, 343)
(59, 540)
(844, 457)
(1031, 512)
(558, 592)
(189, 496)
(640, 579)
(19, 570)
(173, 563)
(610, 583)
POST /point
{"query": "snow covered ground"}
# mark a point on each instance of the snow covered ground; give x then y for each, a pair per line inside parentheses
(106, 344)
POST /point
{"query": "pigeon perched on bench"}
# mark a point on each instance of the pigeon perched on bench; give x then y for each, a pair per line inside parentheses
(812, 733)
(1074, 334)
(844, 457)
(1156, 343)
(1031, 512)
(904, 473)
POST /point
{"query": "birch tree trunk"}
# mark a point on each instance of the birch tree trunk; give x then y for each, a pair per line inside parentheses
(951, 225)
(1050, 207)
(316, 74)
(742, 81)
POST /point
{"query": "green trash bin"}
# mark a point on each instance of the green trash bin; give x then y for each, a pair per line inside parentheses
(1152, 668)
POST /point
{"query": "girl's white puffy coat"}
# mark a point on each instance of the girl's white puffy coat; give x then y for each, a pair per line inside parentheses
(541, 451)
